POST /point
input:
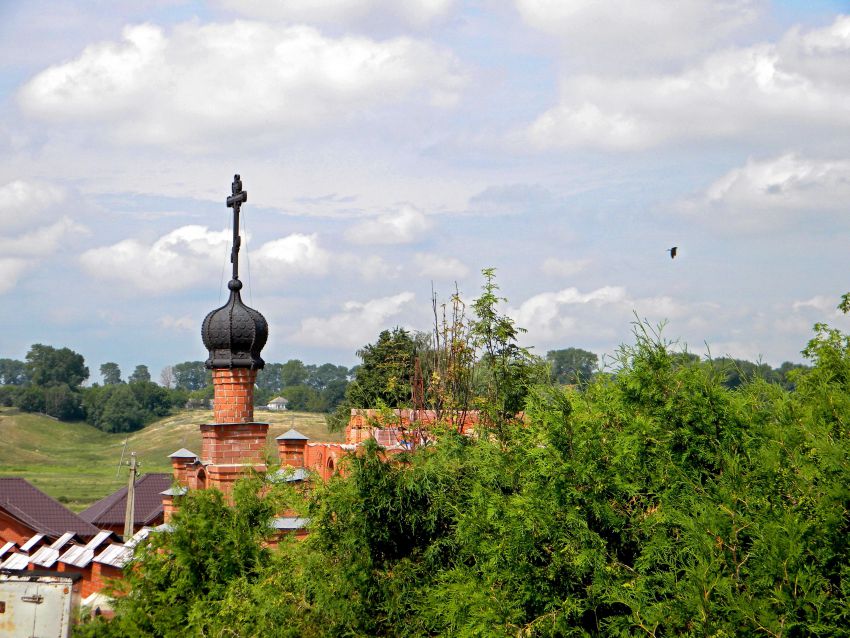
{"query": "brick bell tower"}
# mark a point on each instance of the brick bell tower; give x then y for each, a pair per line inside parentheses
(234, 335)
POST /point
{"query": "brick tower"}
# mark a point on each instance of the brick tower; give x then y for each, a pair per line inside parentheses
(234, 335)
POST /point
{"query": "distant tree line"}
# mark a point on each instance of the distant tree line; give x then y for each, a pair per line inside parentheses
(50, 381)
(577, 367)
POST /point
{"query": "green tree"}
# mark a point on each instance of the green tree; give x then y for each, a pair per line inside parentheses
(571, 366)
(386, 371)
(111, 373)
(506, 369)
(140, 374)
(383, 378)
(155, 401)
(48, 366)
(191, 375)
(13, 372)
(63, 403)
(302, 398)
(30, 399)
(293, 372)
(268, 379)
(121, 411)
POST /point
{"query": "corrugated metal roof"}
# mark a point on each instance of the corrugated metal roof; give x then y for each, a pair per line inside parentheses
(39, 512)
(292, 435)
(78, 556)
(47, 556)
(290, 522)
(118, 555)
(115, 555)
(31, 543)
(8, 547)
(183, 453)
(148, 503)
(16, 561)
(82, 555)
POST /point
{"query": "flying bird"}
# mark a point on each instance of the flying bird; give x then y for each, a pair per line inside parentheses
(673, 251)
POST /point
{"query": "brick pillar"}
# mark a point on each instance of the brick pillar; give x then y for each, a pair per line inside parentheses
(234, 443)
(234, 395)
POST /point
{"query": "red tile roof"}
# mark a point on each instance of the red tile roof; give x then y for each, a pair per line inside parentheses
(148, 503)
(39, 512)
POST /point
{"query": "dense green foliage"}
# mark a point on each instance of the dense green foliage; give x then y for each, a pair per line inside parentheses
(571, 366)
(655, 502)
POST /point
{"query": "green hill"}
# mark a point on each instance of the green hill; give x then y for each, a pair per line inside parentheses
(78, 464)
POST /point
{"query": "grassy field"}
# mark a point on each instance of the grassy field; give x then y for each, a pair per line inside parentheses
(78, 464)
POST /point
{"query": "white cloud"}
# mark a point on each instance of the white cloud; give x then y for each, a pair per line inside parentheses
(25, 204)
(11, 269)
(618, 33)
(737, 93)
(182, 258)
(440, 267)
(42, 241)
(820, 303)
(412, 12)
(185, 323)
(564, 267)
(193, 254)
(370, 267)
(399, 227)
(294, 254)
(543, 315)
(190, 86)
(769, 194)
(357, 324)
(553, 318)
(31, 209)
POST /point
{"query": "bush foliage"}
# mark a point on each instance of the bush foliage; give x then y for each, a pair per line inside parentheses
(656, 501)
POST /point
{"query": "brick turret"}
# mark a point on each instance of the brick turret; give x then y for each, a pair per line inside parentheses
(234, 336)
(290, 448)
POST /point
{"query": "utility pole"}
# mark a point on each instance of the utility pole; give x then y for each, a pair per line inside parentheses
(130, 512)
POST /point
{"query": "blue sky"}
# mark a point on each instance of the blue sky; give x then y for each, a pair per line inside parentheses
(386, 146)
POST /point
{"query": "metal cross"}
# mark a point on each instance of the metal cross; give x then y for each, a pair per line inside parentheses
(235, 202)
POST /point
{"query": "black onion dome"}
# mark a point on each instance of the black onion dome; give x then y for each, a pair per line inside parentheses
(235, 334)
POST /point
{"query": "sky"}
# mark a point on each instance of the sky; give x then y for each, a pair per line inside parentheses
(391, 148)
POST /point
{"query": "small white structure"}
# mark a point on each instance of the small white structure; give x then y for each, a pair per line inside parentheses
(278, 403)
(37, 604)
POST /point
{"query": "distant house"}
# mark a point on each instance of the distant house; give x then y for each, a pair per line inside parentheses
(278, 403)
(26, 511)
(109, 512)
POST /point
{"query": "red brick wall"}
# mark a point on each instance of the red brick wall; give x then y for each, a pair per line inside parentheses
(100, 576)
(86, 572)
(11, 529)
(234, 395)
